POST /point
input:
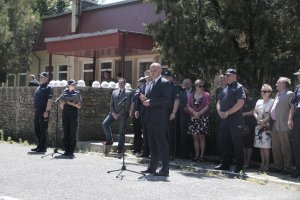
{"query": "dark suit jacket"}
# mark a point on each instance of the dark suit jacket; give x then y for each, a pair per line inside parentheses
(159, 97)
(115, 100)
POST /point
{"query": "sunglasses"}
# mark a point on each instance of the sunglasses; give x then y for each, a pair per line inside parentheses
(266, 91)
(200, 86)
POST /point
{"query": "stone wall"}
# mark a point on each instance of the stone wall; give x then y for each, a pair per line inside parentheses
(17, 113)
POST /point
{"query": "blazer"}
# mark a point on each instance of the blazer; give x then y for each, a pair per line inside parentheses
(123, 108)
(282, 112)
(160, 96)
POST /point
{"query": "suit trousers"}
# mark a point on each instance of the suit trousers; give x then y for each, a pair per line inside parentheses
(172, 137)
(41, 128)
(296, 139)
(159, 146)
(146, 147)
(137, 129)
(231, 132)
(69, 121)
(107, 130)
(281, 149)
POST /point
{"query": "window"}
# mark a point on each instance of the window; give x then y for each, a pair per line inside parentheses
(22, 79)
(127, 70)
(11, 80)
(63, 72)
(88, 74)
(105, 66)
(143, 66)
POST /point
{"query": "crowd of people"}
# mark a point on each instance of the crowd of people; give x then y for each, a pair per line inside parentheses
(182, 124)
(172, 120)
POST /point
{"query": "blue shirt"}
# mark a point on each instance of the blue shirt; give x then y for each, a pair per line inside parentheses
(296, 98)
(41, 95)
(230, 95)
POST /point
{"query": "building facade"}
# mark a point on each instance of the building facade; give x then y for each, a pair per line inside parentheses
(84, 43)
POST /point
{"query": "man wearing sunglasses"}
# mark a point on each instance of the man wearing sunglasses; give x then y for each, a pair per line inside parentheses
(229, 106)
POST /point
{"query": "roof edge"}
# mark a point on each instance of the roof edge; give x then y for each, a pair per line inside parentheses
(92, 34)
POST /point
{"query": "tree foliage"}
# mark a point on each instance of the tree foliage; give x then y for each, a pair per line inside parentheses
(50, 7)
(19, 24)
(199, 38)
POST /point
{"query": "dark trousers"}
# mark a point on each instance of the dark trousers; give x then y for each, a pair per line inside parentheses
(137, 129)
(69, 121)
(296, 139)
(172, 137)
(146, 147)
(186, 140)
(231, 133)
(41, 128)
(159, 147)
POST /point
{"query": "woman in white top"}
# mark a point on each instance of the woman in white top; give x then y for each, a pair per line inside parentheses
(263, 136)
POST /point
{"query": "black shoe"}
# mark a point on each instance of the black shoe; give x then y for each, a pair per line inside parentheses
(237, 170)
(144, 156)
(35, 149)
(71, 156)
(108, 143)
(162, 173)
(135, 151)
(222, 167)
(276, 170)
(41, 150)
(148, 171)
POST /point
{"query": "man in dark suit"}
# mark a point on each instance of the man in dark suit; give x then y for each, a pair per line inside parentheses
(156, 103)
(118, 111)
(186, 141)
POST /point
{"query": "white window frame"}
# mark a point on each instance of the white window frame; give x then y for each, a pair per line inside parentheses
(111, 69)
(23, 74)
(14, 80)
(62, 72)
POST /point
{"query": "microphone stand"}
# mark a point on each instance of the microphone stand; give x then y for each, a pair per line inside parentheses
(124, 168)
(56, 132)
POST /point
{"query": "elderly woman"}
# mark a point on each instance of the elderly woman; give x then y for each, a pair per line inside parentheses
(262, 138)
(198, 104)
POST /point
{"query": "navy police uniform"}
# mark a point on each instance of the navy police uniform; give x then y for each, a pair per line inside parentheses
(231, 128)
(69, 120)
(296, 129)
(42, 94)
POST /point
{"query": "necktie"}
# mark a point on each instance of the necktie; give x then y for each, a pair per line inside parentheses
(120, 94)
(151, 86)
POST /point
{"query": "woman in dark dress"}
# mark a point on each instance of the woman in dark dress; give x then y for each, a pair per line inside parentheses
(249, 128)
(198, 105)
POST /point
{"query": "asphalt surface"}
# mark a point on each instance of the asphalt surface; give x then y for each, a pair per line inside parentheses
(28, 176)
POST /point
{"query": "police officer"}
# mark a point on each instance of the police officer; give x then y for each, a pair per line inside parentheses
(229, 107)
(42, 105)
(173, 107)
(70, 102)
(294, 124)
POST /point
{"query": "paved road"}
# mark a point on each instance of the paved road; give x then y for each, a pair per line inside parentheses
(30, 177)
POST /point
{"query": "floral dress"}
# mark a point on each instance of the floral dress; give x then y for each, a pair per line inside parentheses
(263, 137)
(201, 125)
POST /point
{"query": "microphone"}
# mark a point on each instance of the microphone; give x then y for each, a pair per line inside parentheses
(143, 79)
(58, 98)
